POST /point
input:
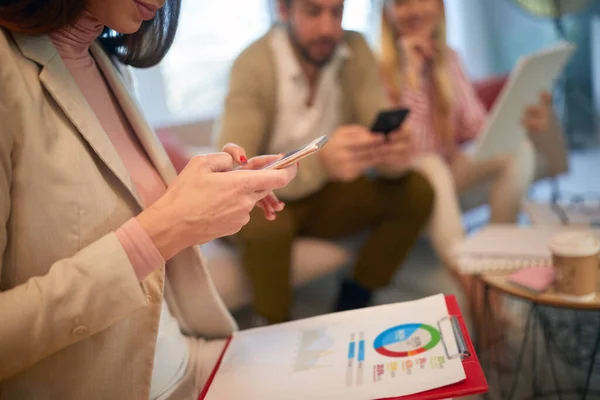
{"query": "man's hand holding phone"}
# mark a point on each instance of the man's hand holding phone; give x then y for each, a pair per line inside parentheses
(352, 150)
(397, 153)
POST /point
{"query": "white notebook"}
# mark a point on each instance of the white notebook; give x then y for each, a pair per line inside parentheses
(481, 265)
(504, 248)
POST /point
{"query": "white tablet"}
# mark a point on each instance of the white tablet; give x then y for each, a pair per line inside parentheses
(533, 74)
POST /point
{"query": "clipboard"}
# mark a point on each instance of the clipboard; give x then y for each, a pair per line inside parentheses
(475, 382)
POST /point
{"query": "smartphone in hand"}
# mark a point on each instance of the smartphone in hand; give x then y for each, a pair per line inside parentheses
(298, 154)
(390, 120)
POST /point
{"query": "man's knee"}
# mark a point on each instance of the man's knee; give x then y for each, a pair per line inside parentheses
(419, 196)
(434, 168)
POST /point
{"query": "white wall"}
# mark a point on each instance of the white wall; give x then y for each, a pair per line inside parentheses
(595, 35)
(516, 32)
(468, 34)
(490, 35)
(152, 96)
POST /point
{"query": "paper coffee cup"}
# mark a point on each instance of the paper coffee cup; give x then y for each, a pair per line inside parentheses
(575, 259)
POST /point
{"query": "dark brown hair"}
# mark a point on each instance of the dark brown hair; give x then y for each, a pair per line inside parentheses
(142, 49)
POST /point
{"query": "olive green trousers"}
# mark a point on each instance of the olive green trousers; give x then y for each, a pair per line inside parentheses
(393, 212)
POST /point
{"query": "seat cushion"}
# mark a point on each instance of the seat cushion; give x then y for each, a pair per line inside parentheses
(311, 259)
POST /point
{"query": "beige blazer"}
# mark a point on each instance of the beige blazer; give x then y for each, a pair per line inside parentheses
(74, 321)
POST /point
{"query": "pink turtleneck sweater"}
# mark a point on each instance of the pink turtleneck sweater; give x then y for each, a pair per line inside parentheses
(73, 45)
(171, 355)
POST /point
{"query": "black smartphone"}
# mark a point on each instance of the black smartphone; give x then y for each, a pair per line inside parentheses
(390, 120)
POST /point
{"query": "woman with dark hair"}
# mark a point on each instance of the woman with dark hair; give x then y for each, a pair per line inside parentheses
(99, 268)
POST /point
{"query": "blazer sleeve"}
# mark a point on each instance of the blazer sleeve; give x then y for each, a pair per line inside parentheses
(79, 296)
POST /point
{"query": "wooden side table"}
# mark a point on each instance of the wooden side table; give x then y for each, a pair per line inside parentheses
(564, 340)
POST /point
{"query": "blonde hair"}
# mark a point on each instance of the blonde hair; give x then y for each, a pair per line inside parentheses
(392, 65)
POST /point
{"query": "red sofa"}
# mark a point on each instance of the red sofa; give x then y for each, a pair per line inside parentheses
(489, 89)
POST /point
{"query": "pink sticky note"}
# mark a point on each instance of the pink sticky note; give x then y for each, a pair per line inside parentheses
(536, 279)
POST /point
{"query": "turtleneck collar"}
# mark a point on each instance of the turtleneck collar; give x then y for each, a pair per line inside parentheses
(73, 42)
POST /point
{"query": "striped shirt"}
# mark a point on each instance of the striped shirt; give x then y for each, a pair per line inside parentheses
(468, 112)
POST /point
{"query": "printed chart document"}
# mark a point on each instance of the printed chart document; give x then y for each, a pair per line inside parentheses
(379, 352)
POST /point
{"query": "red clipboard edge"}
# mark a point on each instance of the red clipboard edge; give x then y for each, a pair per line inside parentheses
(215, 370)
(474, 384)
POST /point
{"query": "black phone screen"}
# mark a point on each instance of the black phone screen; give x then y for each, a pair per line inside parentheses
(390, 120)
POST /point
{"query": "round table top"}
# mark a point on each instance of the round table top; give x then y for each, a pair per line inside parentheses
(549, 298)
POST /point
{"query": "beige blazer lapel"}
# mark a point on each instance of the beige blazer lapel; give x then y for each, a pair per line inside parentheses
(132, 110)
(57, 79)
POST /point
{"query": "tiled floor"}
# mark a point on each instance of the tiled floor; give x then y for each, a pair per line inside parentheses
(422, 275)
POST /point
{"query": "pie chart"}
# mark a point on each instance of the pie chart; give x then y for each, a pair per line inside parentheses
(406, 340)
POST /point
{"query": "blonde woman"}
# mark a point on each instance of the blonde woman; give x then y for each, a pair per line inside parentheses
(425, 75)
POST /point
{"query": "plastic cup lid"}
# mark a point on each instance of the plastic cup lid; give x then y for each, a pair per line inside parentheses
(575, 244)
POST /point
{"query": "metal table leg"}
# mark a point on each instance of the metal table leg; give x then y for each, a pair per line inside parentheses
(521, 357)
(549, 354)
(588, 379)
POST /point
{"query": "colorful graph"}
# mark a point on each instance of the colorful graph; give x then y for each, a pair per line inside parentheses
(406, 340)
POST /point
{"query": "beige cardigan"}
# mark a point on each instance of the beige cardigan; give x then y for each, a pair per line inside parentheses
(250, 106)
(74, 321)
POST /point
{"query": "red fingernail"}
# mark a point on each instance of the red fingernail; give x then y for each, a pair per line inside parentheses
(244, 160)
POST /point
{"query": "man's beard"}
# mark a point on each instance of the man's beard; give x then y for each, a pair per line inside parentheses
(305, 52)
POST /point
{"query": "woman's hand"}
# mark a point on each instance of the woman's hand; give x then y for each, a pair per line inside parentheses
(270, 204)
(208, 200)
(536, 119)
(418, 51)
